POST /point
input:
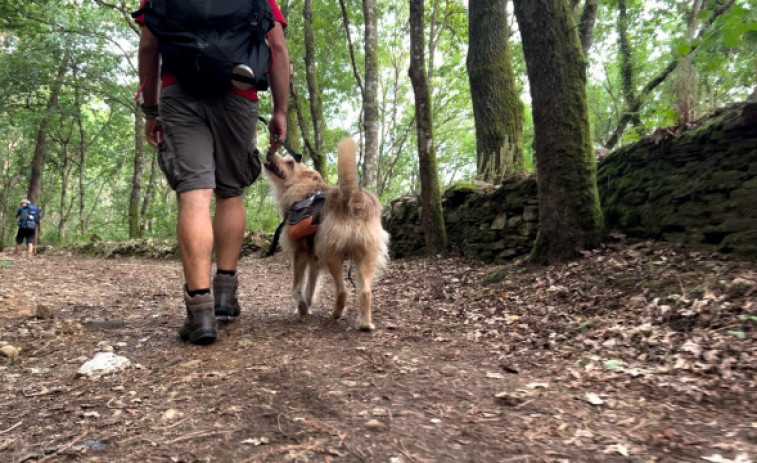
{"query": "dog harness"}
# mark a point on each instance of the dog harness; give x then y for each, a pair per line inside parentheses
(301, 219)
(304, 216)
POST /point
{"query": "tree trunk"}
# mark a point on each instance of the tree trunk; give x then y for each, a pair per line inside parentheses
(586, 27)
(314, 92)
(570, 218)
(64, 178)
(136, 179)
(626, 68)
(370, 98)
(631, 112)
(431, 203)
(497, 109)
(686, 74)
(148, 197)
(38, 159)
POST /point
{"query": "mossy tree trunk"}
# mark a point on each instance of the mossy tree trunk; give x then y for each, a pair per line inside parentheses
(314, 92)
(294, 134)
(370, 97)
(432, 218)
(136, 178)
(497, 109)
(40, 145)
(570, 218)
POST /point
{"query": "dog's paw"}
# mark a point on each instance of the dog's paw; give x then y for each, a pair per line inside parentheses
(302, 309)
(365, 327)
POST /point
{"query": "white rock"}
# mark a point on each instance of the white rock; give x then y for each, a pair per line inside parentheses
(104, 363)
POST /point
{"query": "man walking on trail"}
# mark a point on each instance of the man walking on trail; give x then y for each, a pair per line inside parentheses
(205, 134)
(28, 224)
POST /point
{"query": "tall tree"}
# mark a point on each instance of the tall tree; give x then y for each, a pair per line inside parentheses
(570, 218)
(38, 159)
(630, 98)
(432, 217)
(370, 97)
(136, 180)
(686, 74)
(497, 109)
(317, 152)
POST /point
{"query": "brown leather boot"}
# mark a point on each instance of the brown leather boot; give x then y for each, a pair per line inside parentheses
(225, 293)
(200, 325)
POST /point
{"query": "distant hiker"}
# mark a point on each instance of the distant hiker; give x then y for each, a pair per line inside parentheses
(212, 59)
(28, 226)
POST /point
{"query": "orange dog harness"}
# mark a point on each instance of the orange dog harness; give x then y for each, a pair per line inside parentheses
(304, 216)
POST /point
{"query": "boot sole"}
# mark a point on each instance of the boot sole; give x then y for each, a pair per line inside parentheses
(229, 312)
(203, 336)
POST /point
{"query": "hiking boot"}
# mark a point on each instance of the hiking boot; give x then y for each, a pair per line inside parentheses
(200, 325)
(225, 293)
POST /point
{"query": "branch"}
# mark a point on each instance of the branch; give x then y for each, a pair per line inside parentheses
(660, 78)
(346, 22)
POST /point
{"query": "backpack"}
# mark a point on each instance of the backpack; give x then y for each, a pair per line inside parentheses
(27, 217)
(210, 45)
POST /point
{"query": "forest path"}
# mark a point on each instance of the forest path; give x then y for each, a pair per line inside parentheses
(638, 352)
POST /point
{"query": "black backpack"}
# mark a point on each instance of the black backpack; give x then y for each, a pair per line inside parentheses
(206, 43)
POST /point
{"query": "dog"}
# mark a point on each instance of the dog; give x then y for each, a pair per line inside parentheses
(350, 228)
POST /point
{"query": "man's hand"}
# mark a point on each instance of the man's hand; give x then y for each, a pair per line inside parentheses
(277, 129)
(153, 132)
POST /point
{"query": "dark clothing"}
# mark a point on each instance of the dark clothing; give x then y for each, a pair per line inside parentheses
(209, 143)
(25, 234)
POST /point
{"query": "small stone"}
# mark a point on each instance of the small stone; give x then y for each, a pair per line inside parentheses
(44, 312)
(170, 414)
(103, 363)
(375, 425)
(10, 352)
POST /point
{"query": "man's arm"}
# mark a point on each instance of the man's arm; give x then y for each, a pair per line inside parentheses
(149, 67)
(279, 83)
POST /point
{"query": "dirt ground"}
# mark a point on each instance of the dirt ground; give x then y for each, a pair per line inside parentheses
(642, 352)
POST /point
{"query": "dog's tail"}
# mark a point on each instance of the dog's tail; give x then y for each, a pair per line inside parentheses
(347, 166)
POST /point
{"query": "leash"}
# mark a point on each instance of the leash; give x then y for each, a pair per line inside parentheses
(297, 156)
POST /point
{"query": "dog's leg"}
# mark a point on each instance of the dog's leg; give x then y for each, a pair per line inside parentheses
(335, 269)
(365, 269)
(312, 283)
(300, 266)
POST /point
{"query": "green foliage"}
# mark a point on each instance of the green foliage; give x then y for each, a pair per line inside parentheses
(94, 115)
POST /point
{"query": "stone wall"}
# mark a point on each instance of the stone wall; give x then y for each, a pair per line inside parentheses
(491, 223)
(698, 187)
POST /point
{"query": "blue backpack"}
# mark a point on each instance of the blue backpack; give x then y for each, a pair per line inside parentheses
(28, 216)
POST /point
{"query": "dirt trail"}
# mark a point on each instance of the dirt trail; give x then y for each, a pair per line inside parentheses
(639, 352)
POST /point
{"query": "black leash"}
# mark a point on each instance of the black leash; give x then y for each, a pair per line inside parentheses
(275, 242)
(297, 156)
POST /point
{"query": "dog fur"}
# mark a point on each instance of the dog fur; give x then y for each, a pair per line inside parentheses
(350, 228)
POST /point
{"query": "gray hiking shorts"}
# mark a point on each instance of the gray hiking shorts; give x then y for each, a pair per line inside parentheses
(209, 142)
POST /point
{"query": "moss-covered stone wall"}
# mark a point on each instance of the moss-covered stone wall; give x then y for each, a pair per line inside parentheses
(491, 223)
(698, 187)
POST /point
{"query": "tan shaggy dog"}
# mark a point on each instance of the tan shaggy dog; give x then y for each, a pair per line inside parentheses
(350, 228)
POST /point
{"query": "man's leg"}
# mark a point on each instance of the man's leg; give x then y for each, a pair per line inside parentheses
(228, 229)
(194, 232)
(19, 240)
